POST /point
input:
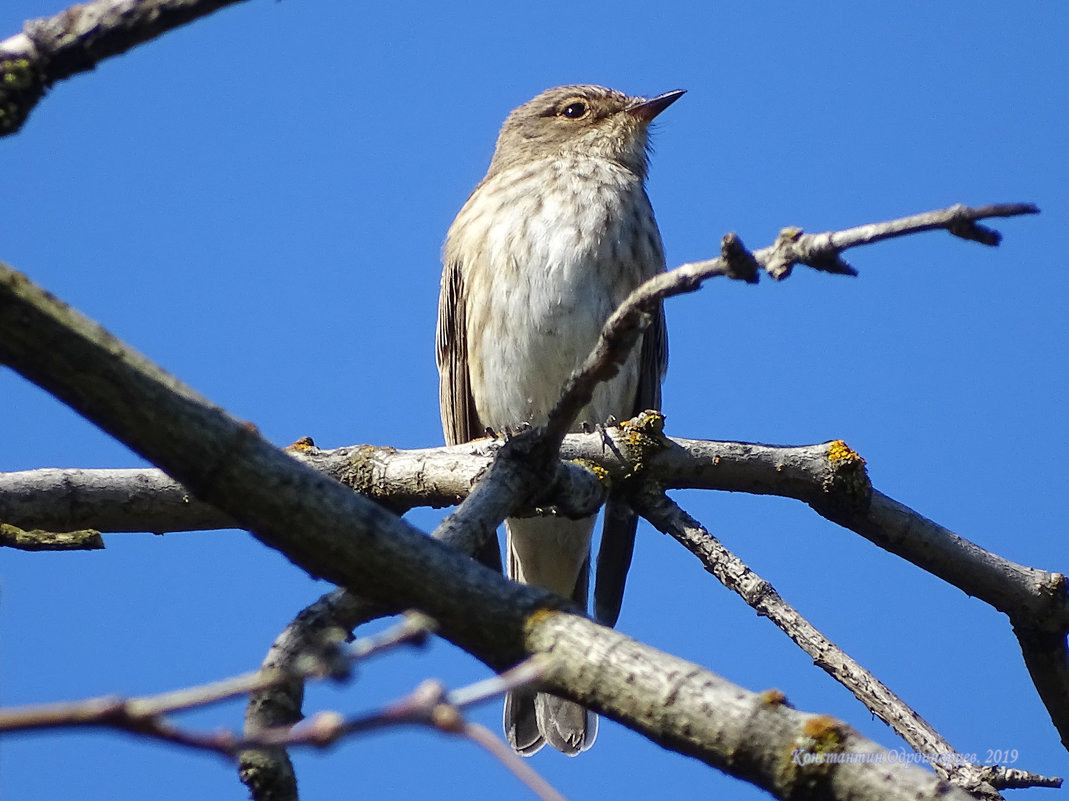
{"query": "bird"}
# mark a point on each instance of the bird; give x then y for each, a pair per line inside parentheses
(550, 242)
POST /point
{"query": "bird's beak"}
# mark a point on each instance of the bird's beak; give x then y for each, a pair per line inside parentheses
(648, 109)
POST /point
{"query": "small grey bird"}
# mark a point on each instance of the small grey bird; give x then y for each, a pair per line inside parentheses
(551, 241)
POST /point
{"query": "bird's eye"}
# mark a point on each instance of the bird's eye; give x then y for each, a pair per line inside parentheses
(574, 110)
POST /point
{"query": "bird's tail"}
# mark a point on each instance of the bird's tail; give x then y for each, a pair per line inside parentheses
(552, 553)
(533, 719)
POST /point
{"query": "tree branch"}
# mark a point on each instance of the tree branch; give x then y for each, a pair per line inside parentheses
(819, 251)
(829, 477)
(268, 772)
(76, 40)
(428, 705)
(147, 499)
(38, 540)
(336, 534)
(733, 573)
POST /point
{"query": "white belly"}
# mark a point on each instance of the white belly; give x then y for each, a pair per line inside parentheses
(544, 280)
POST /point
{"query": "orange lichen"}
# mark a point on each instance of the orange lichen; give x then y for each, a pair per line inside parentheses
(773, 697)
(839, 451)
(823, 728)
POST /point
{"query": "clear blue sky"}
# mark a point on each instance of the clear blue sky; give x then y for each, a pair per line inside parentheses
(257, 202)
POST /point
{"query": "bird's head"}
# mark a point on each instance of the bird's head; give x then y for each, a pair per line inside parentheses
(583, 121)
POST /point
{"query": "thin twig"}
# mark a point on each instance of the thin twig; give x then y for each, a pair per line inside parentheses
(38, 540)
(428, 704)
(510, 759)
(139, 713)
(130, 713)
(414, 629)
(529, 671)
(820, 251)
(737, 576)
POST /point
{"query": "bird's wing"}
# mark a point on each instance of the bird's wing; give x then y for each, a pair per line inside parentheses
(460, 422)
(459, 419)
(653, 362)
(618, 534)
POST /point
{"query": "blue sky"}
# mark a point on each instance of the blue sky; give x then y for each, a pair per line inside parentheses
(257, 202)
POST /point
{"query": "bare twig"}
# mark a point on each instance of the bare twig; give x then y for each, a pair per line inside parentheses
(310, 641)
(142, 715)
(819, 251)
(428, 704)
(529, 671)
(38, 540)
(1014, 779)
(498, 749)
(146, 713)
(414, 629)
(733, 573)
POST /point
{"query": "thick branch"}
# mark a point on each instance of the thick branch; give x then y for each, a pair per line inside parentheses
(759, 736)
(147, 499)
(334, 533)
(331, 531)
(76, 40)
(120, 500)
(268, 772)
(829, 477)
(495, 491)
